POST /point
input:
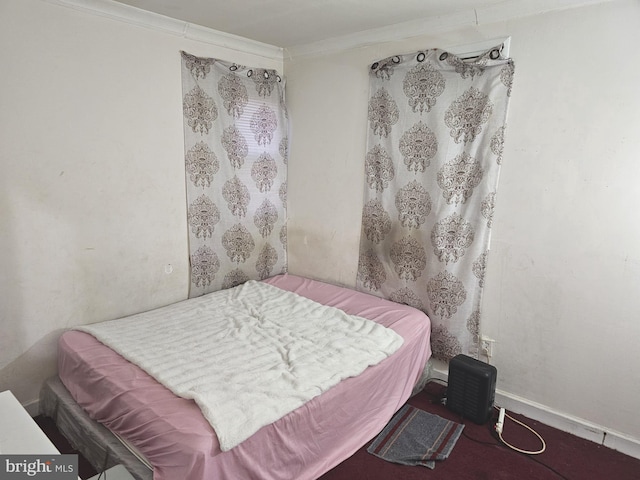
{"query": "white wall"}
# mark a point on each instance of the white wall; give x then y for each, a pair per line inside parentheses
(92, 201)
(562, 294)
(92, 190)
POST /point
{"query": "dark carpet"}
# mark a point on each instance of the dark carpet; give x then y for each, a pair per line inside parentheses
(477, 454)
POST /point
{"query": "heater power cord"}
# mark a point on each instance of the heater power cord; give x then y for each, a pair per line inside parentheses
(500, 426)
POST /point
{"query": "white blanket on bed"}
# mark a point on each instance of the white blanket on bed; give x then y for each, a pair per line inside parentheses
(248, 355)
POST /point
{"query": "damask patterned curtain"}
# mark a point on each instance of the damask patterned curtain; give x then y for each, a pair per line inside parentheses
(236, 147)
(434, 149)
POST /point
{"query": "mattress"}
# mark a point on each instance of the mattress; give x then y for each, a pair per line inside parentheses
(176, 439)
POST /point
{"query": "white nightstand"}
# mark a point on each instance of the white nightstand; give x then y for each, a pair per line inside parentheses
(19, 433)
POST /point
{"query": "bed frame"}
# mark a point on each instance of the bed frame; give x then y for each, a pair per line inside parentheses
(95, 442)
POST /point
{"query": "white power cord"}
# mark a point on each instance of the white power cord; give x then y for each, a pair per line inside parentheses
(500, 423)
(500, 427)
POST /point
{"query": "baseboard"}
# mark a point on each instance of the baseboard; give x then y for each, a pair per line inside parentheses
(566, 423)
(32, 407)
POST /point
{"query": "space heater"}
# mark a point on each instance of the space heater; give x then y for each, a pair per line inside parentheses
(471, 388)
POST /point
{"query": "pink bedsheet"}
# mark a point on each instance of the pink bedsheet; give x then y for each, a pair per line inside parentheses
(180, 444)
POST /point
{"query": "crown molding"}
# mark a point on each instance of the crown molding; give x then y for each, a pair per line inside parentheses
(503, 11)
(142, 18)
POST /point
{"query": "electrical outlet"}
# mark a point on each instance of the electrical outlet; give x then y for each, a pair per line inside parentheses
(486, 346)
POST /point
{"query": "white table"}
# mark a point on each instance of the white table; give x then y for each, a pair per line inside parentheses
(19, 433)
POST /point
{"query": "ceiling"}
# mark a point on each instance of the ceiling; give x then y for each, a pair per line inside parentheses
(287, 23)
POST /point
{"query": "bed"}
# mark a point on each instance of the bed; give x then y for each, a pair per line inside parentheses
(100, 390)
